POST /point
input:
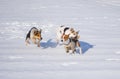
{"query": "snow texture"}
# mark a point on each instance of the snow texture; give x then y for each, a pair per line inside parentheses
(99, 25)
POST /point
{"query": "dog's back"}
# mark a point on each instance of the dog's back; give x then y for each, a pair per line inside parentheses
(29, 33)
(34, 35)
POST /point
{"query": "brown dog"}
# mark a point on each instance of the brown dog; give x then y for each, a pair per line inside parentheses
(34, 35)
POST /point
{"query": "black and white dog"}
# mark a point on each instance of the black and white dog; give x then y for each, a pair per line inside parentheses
(34, 35)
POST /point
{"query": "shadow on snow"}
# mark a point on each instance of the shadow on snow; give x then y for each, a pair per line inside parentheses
(84, 45)
(48, 44)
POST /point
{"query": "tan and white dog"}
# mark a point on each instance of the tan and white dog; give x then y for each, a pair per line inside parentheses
(34, 35)
(73, 43)
(69, 37)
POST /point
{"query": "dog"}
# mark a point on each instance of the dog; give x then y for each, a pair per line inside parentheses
(69, 37)
(73, 42)
(63, 33)
(34, 35)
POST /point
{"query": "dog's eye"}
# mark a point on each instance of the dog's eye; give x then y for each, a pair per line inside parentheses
(35, 32)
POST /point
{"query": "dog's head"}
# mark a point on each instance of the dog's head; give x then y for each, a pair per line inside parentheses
(37, 34)
(75, 35)
(65, 37)
(72, 34)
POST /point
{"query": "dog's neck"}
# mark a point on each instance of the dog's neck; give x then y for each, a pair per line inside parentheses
(73, 39)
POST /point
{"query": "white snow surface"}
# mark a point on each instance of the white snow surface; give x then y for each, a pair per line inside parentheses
(99, 25)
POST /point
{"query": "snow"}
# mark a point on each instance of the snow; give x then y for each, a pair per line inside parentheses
(99, 25)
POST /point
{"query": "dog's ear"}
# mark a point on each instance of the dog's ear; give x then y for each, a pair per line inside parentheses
(72, 30)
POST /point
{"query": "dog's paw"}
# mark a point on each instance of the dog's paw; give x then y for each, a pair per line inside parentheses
(72, 53)
(79, 50)
(38, 45)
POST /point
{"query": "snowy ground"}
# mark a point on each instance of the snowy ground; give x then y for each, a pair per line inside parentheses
(99, 25)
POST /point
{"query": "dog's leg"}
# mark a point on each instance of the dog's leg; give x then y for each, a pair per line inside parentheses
(27, 41)
(34, 40)
(78, 45)
(74, 51)
(38, 44)
(67, 49)
(72, 47)
(81, 50)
